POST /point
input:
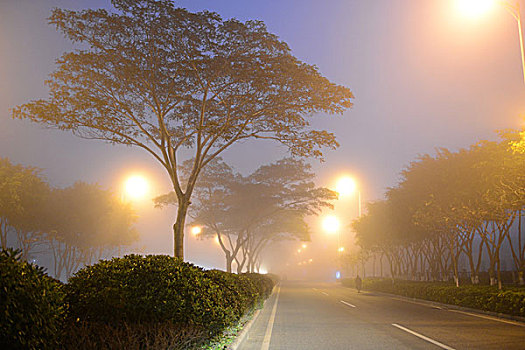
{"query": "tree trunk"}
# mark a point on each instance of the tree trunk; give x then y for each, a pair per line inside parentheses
(229, 261)
(178, 229)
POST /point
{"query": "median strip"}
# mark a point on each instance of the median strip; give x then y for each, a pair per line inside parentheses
(443, 346)
(344, 302)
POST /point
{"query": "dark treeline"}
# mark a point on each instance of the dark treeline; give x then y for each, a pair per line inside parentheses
(75, 226)
(455, 206)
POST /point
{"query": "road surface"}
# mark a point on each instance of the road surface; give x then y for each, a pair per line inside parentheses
(302, 315)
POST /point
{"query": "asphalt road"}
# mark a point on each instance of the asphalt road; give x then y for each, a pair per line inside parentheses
(302, 315)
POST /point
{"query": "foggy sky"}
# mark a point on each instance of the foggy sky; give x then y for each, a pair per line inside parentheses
(423, 77)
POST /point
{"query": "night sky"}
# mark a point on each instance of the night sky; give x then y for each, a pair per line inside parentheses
(423, 77)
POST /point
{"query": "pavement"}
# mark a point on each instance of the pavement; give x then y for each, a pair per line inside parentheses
(306, 315)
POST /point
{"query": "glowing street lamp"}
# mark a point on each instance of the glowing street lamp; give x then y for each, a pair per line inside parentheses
(475, 8)
(136, 187)
(347, 185)
(331, 224)
(196, 230)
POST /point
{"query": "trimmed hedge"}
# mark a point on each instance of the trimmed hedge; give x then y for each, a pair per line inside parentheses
(264, 283)
(509, 301)
(166, 300)
(242, 293)
(154, 288)
(31, 305)
(134, 302)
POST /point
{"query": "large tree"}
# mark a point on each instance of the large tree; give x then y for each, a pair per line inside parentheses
(164, 79)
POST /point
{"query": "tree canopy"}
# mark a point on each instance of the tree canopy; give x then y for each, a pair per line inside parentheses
(163, 79)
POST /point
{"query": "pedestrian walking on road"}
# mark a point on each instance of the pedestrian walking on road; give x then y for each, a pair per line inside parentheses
(358, 284)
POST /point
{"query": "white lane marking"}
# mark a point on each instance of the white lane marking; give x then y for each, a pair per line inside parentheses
(344, 302)
(443, 346)
(490, 318)
(417, 303)
(268, 335)
(315, 289)
(325, 293)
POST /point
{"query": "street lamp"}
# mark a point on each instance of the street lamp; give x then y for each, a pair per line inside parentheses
(331, 224)
(136, 187)
(347, 185)
(478, 7)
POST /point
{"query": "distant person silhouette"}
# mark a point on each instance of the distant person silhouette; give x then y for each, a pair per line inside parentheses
(358, 284)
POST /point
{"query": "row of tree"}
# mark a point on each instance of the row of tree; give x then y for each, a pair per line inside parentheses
(468, 203)
(76, 225)
(247, 213)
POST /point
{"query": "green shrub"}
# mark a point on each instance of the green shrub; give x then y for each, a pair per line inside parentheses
(31, 305)
(135, 336)
(155, 288)
(241, 292)
(263, 283)
(488, 298)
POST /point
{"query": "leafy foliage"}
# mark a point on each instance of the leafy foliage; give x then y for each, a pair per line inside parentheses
(31, 305)
(509, 301)
(264, 283)
(164, 79)
(154, 288)
(158, 289)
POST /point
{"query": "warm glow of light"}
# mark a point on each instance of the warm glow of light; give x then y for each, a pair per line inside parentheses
(298, 250)
(311, 260)
(341, 249)
(331, 224)
(136, 187)
(304, 246)
(216, 239)
(196, 230)
(474, 8)
(345, 186)
(263, 270)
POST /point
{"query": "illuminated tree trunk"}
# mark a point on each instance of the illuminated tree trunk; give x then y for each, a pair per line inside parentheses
(178, 228)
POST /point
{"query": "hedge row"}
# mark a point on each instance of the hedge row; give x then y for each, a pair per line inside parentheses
(509, 301)
(134, 302)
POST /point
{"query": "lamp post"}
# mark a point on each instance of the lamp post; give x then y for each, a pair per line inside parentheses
(477, 7)
(515, 11)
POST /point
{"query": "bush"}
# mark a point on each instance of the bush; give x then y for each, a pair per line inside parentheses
(264, 284)
(135, 336)
(242, 293)
(31, 305)
(509, 301)
(151, 289)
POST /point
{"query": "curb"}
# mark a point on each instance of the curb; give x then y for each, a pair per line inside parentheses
(247, 326)
(456, 307)
(245, 330)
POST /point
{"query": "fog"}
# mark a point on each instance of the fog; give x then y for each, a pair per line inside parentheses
(422, 75)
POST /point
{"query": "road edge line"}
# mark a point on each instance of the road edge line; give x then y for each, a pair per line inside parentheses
(497, 317)
(245, 329)
(421, 336)
(268, 335)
